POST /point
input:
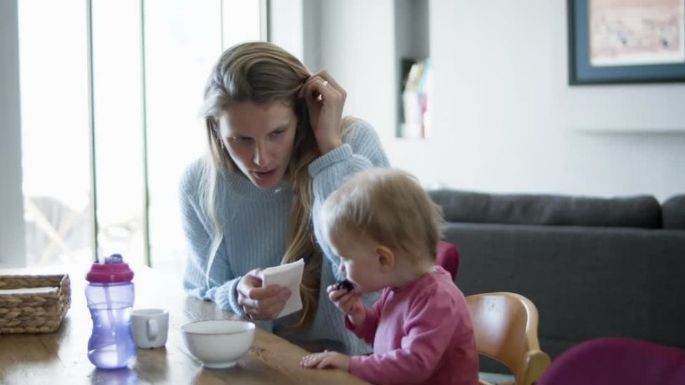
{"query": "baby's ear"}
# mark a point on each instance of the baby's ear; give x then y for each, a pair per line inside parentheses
(386, 258)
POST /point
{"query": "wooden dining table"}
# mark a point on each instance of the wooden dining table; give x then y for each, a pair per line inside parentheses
(61, 357)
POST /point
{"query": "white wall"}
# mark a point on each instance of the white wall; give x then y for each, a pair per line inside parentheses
(11, 199)
(294, 25)
(504, 118)
(285, 17)
(357, 48)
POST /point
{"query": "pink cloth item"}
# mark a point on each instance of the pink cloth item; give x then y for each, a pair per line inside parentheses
(617, 360)
(421, 334)
(448, 258)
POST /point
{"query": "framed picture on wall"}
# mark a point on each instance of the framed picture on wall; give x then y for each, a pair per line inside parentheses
(626, 41)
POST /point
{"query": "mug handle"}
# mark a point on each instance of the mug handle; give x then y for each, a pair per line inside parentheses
(152, 329)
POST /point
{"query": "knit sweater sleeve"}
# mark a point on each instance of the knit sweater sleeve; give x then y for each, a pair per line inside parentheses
(361, 150)
(220, 285)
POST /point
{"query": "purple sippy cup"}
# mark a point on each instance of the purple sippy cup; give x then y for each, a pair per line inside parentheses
(110, 299)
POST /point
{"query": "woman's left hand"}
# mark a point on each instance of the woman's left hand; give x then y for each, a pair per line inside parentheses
(325, 101)
(326, 359)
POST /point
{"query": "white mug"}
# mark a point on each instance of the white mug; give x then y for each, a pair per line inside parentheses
(149, 327)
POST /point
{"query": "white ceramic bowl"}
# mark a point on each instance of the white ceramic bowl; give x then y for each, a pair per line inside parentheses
(219, 343)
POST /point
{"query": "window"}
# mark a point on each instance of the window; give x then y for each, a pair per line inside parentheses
(138, 112)
(55, 133)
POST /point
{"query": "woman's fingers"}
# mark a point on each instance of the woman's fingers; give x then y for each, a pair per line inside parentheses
(325, 100)
(320, 89)
(249, 282)
(331, 80)
(265, 296)
(320, 83)
(261, 302)
(270, 307)
(319, 92)
(265, 303)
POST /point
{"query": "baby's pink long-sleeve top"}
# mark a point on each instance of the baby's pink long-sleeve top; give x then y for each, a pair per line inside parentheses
(421, 334)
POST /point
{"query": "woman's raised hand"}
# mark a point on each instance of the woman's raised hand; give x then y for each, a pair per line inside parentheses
(325, 101)
(259, 302)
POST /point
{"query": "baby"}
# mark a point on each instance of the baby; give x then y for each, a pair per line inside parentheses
(386, 230)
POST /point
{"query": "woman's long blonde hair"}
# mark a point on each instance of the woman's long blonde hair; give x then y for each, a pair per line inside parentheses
(262, 72)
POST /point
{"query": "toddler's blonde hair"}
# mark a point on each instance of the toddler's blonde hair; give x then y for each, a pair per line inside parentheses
(388, 206)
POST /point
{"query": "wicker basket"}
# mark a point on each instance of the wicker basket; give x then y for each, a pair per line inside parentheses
(33, 312)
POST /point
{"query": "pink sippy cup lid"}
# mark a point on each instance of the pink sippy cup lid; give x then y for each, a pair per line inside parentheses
(113, 270)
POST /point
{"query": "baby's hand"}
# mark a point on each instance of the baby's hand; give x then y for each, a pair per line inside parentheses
(349, 302)
(326, 359)
(344, 284)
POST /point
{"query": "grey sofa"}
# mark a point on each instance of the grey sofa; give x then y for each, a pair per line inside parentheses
(593, 266)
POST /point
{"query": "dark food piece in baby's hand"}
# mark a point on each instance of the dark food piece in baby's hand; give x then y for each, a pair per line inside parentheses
(344, 284)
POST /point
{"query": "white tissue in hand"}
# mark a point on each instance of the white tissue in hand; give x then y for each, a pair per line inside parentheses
(290, 276)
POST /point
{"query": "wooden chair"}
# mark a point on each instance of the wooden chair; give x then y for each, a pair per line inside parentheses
(506, 329)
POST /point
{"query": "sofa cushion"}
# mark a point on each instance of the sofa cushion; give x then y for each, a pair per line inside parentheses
(673, 212)
(640, 211)
(586, 283)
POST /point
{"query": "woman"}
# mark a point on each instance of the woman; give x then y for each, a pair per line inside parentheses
(278, 146)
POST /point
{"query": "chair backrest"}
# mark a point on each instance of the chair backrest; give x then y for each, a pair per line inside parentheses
(617, 360)
(448, 258)
(506, 329)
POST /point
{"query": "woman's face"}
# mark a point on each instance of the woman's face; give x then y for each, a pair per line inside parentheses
(259, 138)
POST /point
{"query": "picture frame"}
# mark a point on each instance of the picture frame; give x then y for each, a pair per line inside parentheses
(612, 41)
